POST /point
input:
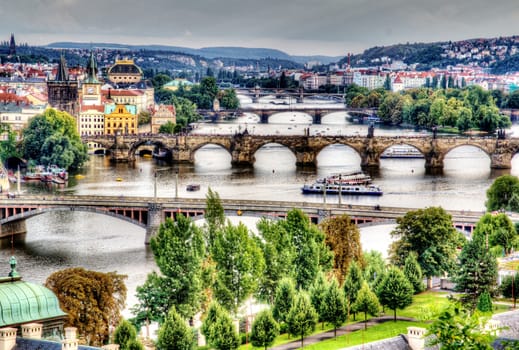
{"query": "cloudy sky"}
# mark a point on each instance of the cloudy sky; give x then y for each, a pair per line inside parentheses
(301, 27)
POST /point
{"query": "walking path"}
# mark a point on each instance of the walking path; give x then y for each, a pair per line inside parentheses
(311, 339)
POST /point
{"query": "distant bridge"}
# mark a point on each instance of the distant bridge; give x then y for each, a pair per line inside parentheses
(242, 147)
(149, 212)
(316, 113)
(298, 93)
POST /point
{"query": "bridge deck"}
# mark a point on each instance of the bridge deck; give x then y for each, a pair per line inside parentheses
(197, 205)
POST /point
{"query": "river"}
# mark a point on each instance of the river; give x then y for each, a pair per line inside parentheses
(58, 240)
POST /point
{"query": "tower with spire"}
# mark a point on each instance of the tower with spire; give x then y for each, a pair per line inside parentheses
(12, 46)
(91, 86)
(62, 91)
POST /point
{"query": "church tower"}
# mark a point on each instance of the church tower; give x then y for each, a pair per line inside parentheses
(63, 92)
(12, 46)
(91, 87)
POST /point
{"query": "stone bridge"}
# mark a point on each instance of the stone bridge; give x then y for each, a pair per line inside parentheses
(150, 212)
(299, 94)
(317, 113)
(242, 147)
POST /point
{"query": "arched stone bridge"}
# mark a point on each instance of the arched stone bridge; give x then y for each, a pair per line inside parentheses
(149, 213)
(317, 113)
(242, 147)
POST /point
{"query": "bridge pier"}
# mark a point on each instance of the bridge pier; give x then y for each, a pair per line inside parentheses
(502, 156)
(316, 119)
(306, 157)
(264, 118)
(155, 218)
(120, 151)
(17, 227)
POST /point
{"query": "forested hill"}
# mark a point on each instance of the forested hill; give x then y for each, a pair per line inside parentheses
(500, 55)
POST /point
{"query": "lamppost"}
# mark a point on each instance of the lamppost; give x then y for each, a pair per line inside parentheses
(340, 189)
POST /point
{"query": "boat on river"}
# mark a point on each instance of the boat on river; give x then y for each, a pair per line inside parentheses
(356, 177)
(401, 152)
(321, 188)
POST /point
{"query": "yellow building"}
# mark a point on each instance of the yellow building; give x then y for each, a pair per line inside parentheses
(120, 118)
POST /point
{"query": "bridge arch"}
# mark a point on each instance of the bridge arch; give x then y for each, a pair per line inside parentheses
(204, 144)
(342, 148)
(42, 210)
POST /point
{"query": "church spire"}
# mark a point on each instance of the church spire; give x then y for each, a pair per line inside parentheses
(91, 70)
(62, 74)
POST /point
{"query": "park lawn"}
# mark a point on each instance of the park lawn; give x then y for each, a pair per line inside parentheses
(426, 306)
(381, 331)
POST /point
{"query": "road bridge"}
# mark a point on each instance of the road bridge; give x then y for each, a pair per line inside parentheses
(150, 212)
(243, 146)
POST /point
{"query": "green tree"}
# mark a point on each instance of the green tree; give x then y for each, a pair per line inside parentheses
(317, 293)
(387, 83)
(8, 146)
(459, 328)
(124, 333)
(308, 242)
(134, 344)
(335, 308)
(208, 87)
(498, 231)
(159, 80)
(510, 287)
(352, 285)
(375, 267)
(229, 99)
(484, 302)
(501, 192)
(477, 270)
(178, 249)
(395, 291)
(91, 300)
(222, 334)
(239, 265)
(366, 302)
(52, 138)
(302, 317)
(428, 233)
(214, 216)
(264, 330)
(167, 128)
(284, 298)
(214, 312)
(144, 117)
(413, 273)
(175, 334)
(343, 239)
(279, 252)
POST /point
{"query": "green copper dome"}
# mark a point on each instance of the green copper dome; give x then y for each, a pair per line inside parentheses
(24, 302)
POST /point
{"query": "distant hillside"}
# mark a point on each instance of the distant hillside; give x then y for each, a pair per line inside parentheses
(207, 52)
(500, 54)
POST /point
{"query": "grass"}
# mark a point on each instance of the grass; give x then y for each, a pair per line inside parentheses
(426, 307)
(378, 332)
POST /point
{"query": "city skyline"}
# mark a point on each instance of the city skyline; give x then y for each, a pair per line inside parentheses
(302, 27)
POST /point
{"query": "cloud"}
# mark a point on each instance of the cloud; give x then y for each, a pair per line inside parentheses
(297, 26)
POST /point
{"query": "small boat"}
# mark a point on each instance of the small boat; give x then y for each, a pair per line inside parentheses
(193, 187)
(320, 188)
(118, 179)
(58, 180)
(401, 152)
(79, 176)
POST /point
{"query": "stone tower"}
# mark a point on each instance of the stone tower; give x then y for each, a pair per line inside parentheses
(63, 92)
(12, 46)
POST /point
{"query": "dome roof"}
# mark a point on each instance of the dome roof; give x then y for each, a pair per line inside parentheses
(23, 302)
(125, 67)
